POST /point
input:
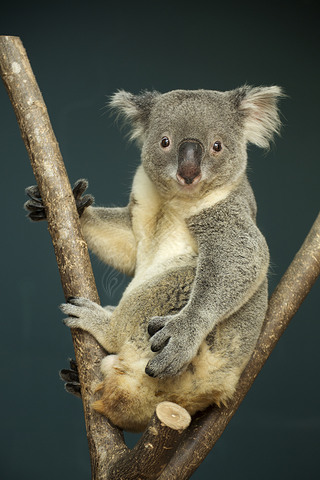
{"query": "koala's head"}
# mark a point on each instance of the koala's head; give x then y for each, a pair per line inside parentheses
(195, 140)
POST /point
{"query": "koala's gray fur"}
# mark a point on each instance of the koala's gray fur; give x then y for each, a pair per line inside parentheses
(188, 322)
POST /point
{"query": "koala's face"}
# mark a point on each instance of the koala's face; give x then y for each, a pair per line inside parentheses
(194, 141)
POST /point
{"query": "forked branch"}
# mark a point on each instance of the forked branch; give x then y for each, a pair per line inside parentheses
(159, 454)
(106, 442)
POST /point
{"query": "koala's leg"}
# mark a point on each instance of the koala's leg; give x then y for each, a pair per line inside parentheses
(214, 373)
(109, 235)
(128, 396)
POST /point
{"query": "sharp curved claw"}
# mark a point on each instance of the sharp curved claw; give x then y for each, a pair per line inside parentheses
(78, 190)
(74, 388)
(34, 206)
(37, 216)
(83, 203)
(79, 187)
(71, 377)
(33, 192)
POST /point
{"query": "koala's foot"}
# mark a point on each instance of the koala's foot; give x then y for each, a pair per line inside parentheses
(177, 346)
(71, 377)
(35, 207)
(88, 316)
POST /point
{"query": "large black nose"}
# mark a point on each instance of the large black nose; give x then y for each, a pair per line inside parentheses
(189, 160)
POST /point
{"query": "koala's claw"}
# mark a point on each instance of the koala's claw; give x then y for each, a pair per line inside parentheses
(33, 193)
(71, 377)
(167, 363)
(35, 207)
(159, 338)
(78, 310)
(80, 187)
(168, 340)
(156, 324)
(78, 190)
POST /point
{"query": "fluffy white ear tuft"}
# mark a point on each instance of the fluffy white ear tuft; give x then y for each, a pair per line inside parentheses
(259, 106)
(135, 109)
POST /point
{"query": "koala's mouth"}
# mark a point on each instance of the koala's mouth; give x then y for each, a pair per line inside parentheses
(188, 181)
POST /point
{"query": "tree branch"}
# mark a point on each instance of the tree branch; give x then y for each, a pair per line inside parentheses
(108, 452)
(150, 457)
(63, 224)
(110, 458)
(207, 427)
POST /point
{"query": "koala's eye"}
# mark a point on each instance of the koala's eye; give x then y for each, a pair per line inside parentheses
(217, 146)
(165, 142)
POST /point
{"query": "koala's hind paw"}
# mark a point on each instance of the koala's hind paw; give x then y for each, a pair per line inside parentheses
(71, 377)
(89, 316)
(83, 313)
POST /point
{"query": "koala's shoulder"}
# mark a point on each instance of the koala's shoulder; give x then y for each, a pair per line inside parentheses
(237, 207)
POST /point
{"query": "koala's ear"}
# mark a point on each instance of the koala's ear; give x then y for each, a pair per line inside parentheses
(135, 109)
(259, 107)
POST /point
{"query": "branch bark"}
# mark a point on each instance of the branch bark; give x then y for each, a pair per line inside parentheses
(155, 456)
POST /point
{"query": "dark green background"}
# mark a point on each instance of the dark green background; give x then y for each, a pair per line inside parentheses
(81, 52)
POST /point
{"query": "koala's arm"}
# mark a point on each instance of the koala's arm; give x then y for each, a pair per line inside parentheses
(107, 231)
(109, 235)
(232, 263)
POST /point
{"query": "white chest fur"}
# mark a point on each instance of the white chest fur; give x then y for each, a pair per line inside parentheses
(160, 230)
(159, 225)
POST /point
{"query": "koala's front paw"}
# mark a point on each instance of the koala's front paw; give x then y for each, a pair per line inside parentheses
(174, 343)
(35, 207)
(82, 202)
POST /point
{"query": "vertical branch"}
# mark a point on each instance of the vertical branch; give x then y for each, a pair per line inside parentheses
(64, 227)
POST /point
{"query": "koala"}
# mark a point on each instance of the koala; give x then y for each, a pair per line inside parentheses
(189, 320)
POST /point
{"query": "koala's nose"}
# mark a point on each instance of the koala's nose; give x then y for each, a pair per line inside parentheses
(189, 160)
